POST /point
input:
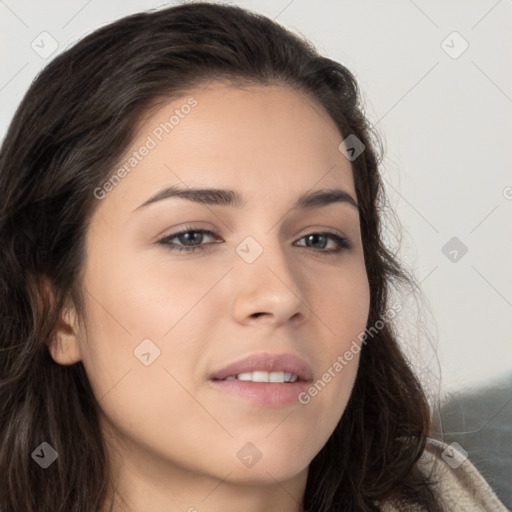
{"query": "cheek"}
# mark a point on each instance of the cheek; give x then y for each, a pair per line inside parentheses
(138, 375)
(342, 301)
(143, 313)
(145, 297)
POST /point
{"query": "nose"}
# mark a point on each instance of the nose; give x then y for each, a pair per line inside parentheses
(269, 289)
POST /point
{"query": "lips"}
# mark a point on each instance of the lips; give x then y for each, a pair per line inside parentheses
(267, 362)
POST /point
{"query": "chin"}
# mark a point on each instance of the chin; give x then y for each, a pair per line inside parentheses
(269, 473)
(264, 462)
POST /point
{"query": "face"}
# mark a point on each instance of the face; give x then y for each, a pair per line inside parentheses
(261, 276)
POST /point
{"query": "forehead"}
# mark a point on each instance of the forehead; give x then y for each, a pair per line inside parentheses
(272, 141)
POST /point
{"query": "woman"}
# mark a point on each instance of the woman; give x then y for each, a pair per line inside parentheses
(194, 288)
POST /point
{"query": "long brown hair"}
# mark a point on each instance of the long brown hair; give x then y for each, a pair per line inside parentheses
(74, 124)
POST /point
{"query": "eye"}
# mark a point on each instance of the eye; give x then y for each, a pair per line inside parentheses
(190, 239)
(186, 238)
(341, 242)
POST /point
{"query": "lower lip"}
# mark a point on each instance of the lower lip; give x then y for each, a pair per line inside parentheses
(269, 394)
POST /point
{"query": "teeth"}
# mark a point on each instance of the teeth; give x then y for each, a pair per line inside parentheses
(260, 376)
(276, 377)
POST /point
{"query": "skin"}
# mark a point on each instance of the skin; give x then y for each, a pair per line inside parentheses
(172, 438)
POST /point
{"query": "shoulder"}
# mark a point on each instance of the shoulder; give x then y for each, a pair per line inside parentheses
(456, 482)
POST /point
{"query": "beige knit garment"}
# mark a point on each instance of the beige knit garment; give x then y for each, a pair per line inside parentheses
(460, 487)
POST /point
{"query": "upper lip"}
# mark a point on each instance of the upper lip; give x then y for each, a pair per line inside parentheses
(264, 361)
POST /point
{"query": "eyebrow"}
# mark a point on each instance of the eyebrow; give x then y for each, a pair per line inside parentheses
(226, 197)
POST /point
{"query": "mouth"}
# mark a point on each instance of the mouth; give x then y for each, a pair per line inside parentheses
(266, 367)
(271, 380)
(263, 376)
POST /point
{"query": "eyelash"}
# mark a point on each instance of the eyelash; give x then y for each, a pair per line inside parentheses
(343, 242)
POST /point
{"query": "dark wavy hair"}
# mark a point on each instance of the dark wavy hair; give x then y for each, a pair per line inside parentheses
(71, 129)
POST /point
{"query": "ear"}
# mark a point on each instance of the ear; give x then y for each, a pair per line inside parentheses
(64, 346)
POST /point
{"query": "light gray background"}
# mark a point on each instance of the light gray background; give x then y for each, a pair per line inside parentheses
(446, 123)
(445, 117)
